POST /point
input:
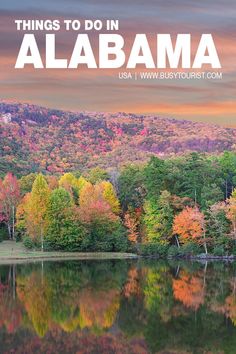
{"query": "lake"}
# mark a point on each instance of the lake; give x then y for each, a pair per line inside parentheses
(120, 306)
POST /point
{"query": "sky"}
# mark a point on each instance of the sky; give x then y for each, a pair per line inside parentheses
(85, 89)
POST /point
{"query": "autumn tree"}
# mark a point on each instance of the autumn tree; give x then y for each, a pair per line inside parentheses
(105, 230)
(9, 199)
(52, 182)
(36, 209)
(73, 185)
(82, 182)
(109, 195)
(231, 212)
(26, 183)
(23, 220)
(132, 220)
(93, 205)
(189, 225)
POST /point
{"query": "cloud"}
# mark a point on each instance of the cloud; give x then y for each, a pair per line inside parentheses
(100, 89)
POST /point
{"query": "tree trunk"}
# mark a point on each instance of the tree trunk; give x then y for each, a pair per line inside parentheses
(9, 230)
(205, 245)
(177, 272)
(195, 197)
(13, 222)
(177, 241)
(234, 228)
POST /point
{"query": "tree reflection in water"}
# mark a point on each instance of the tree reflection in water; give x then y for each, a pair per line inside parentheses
(118, 307)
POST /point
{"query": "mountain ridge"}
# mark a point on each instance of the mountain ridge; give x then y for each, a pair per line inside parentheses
(35, 138)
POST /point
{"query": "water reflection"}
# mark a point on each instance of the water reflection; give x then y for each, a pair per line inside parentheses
(118, 307)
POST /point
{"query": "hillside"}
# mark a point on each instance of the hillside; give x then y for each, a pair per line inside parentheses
(34, 138)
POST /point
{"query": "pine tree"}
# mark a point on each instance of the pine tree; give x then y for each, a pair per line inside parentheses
(158, 218)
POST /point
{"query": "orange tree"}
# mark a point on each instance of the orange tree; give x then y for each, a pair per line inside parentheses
(189, 225)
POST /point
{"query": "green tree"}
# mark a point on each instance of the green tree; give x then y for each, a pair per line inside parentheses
(97, 174)
(64, 229)
(228, 168)
(69, 182)
(158, 219)
(218, 226)
(195, 176)
(26, 183)
(155, 174)
(131, 187)
(210, 195)
(192, 177)
(231, 212)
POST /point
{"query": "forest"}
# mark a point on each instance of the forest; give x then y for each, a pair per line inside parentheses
(179, 206)
(39, 139)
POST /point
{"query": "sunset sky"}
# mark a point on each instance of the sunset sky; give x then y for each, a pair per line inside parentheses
(100, 89)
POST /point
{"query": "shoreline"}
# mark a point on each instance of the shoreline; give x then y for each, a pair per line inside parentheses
(210, 257)
(36, 256)
(14, 252)
(67, 257)
(11, 251)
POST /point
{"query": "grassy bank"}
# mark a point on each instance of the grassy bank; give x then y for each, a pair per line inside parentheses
(10, 251)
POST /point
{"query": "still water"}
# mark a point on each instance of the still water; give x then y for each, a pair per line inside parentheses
(132, 307)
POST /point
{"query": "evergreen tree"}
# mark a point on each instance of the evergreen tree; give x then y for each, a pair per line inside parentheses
(158, 219)
(155, 174)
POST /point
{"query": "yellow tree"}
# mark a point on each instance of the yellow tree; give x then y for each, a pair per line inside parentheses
(69, 182)
(81, 182)
(36, 207)
(110, 196)
(23, 215)
(93, 204)
(86, 194)
(72, 184)
(35, 294)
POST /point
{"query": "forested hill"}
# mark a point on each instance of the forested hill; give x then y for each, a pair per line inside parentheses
(34, 138)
